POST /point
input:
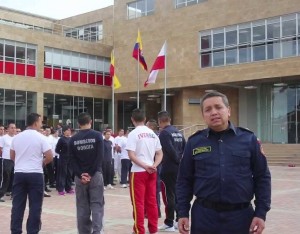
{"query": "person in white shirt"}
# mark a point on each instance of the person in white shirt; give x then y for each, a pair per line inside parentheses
(49, 169)
(7, 164)
(120, 144)
(30, 151)
(145, 152)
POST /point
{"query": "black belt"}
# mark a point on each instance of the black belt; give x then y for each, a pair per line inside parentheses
(220, 206)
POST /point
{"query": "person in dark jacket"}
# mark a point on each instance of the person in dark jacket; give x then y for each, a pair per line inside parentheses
(107, 160)
(224, 167)
(86, 156)
(64, 176)
(173, 143)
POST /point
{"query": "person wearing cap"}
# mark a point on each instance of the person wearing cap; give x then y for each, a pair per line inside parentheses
(63, 177)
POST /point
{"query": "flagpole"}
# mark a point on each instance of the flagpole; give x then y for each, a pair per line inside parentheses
(138, 79)
(113, 81)
(165, 88)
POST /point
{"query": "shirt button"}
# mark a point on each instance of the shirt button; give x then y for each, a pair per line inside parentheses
(222, 165)
(223, 179)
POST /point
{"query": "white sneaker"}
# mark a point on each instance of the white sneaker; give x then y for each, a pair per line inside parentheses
(166, 228)
(124, 186)
(175, 225)
(110, 187)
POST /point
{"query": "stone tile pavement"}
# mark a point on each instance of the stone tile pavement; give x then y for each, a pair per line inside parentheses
(59, 211)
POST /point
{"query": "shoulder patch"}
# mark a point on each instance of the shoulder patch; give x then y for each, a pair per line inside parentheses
(261, 148)
(203, 149)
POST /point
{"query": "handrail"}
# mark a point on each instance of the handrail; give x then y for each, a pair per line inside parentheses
(190, 130)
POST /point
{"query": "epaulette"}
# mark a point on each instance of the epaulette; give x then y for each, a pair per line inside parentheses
(196, 133)
(245, 129)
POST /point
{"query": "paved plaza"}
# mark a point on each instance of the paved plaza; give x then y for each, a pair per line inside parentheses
(59, 211)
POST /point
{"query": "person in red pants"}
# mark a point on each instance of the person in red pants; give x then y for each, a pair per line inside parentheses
(144, 150)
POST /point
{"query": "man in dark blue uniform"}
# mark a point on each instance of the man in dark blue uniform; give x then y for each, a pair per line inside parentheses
(224, 167)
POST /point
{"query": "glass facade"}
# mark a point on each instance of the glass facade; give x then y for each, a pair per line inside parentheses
(17, 58)
(279, 114)
(76, 67)
(266, 39)
(64, 109)
(184, 3)
(91, 32)
(140, 8)
(15, 105)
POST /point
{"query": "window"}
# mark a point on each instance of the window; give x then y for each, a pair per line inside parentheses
(218, 38)
(273, 50)
(17, 58)
(184, 3)
(231, 56)
(244, 54)
(289, 25)
(273, 28)
(205, 40)
(259, 52)
(273, 38)
(140, 8)
(75, 67)
(218, 57)
(244, 34)
(288, 48)
(259, 31)
(90, 32)
(231, 36)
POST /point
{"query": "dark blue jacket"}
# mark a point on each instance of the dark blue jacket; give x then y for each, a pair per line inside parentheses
(86, 152)
(228, 167)
(173, 143)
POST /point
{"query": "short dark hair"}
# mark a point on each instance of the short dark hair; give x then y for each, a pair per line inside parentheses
(138, 115)
(163, 116)
(214, 94)
(84, 118)
(32, 118)
(152, 124)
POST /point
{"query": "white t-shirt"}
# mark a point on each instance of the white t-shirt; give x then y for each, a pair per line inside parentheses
(122, 141)
(29, 147)
(55, 140)
(144, 142)
(5, 143)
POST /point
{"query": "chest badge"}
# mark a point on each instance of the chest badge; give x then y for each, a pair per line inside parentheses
(203, 149)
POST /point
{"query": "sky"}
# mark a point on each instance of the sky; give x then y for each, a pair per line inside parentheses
(57, 9)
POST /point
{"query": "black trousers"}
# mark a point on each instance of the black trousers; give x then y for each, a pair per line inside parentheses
(106, 169)
(125, 169)
(63, 175)
(49, 173)
(168, 183)
(6, 175)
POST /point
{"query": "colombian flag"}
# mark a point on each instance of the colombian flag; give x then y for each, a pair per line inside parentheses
(138, 51)
(116, 81)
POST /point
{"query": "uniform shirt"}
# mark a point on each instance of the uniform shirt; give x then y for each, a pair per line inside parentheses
(86, 152)
(29, 147)
(5, 144)
(227, 167)
(122, 141)
(144, 142)
(107, 150)
(173, 143)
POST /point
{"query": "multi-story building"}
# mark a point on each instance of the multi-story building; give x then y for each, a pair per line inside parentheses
(250, 50)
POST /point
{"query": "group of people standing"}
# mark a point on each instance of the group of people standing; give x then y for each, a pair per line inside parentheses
(218, 170)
